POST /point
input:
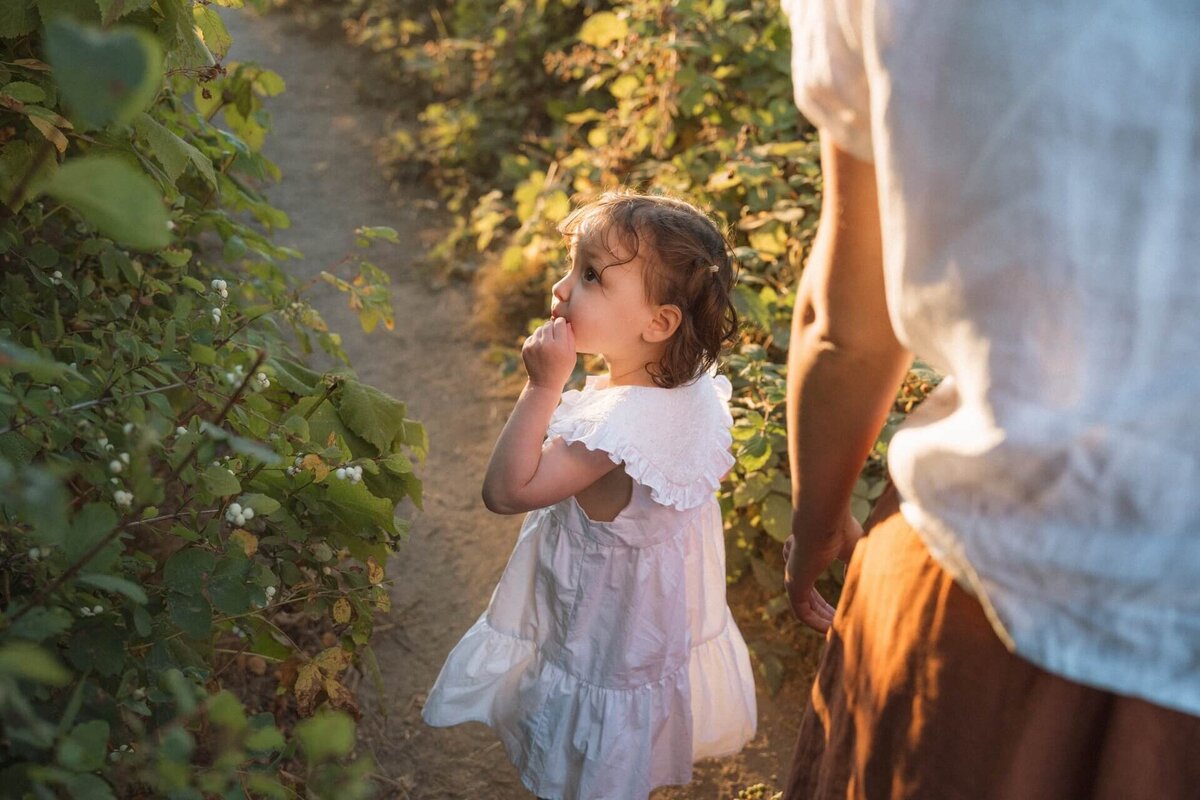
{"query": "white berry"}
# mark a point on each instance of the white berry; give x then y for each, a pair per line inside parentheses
(248, 513)
(116, 466)
(180, 431)
(341, 473)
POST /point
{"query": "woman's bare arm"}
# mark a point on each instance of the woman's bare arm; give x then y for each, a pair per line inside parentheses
(844, 367)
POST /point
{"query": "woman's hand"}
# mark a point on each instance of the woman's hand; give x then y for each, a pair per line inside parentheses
(549, 355)
(806, 555)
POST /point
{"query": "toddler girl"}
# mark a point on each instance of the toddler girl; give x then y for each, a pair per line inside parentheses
(607, 660)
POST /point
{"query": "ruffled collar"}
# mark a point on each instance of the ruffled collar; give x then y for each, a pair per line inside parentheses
(673, 441)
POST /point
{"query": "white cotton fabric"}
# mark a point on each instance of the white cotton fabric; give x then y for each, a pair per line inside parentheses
(1038, 168)
(608, 660)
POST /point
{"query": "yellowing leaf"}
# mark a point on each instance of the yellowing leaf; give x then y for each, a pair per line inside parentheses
(624, 86)
(341, 611)
(374, 571)
(308, 684)
(602, 29)
(50, 132)
(383, 601)
(246, 539)
(313, 463)
(332, 660)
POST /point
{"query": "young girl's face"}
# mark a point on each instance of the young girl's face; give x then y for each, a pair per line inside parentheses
(603, 299)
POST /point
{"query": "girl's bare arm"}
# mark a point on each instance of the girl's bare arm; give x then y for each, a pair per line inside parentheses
(522, 475)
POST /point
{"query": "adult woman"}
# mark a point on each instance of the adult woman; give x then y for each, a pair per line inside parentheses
(1009, 194)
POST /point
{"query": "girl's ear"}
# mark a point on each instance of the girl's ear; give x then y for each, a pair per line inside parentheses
(663, 324)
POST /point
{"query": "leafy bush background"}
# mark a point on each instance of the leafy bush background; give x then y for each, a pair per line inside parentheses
(526, 104)
(186, 575)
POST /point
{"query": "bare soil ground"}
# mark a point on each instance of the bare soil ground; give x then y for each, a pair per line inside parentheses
(325, 139)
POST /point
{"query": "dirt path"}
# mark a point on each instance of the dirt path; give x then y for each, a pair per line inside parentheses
(324, 140)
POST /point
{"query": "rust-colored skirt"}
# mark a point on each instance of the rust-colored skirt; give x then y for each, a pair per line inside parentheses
(916, 697)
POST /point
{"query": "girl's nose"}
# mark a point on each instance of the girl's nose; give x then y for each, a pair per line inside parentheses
(562, 289)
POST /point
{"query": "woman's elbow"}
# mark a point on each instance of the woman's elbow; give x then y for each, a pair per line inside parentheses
(497, 502)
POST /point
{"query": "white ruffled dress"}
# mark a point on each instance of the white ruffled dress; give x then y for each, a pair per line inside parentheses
(608, 660)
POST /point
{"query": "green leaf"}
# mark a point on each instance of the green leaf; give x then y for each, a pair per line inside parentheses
(90, 525)
(114, 583)
(327, 734)
(23, 91)
(117, 199)
(226, 710)
(192, 614)
(41, 623)
(261, 503)
(751, 306)
(171, 151)
(112, 10)
(106, 77)
(378, 232)
(265, 739)
(86, 786)
(212, 29)
(296, 378)
(186, 570)
(17, 18)
(29, 662)
(398, 464)
(370, 413)
(777, 516)
(99, 647)
(220, 481)
(755, 453)
(360, 510)
(20, 359)
(227, 585)
(602, 29)
(84, 748)
(751, 490)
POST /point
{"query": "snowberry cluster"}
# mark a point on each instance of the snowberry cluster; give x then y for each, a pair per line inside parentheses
(352, 473)
(262, 382)
(55, 277)
(123, 498)
(91, 612)
(115, 755)
(119, 463)
(296, 466)
(38, 552)
(236, 375)
(216, 315)
(220, 287)
(238, 515)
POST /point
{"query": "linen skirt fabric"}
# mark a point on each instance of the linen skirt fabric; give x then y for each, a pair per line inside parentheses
(916, 697)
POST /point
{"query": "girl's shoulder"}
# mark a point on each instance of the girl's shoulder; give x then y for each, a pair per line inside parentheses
(674, 441)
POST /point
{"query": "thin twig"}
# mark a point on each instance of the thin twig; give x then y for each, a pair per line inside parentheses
(131, 518)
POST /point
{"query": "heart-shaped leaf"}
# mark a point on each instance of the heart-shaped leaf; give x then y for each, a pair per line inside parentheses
(106, 77)
(116, 198)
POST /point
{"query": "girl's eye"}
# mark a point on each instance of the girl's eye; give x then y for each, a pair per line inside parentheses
(590, 274)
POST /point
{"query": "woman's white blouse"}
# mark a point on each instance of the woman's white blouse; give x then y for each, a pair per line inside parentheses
(1038, 167)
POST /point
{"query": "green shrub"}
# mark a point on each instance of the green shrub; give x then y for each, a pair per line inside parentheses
(193, 523)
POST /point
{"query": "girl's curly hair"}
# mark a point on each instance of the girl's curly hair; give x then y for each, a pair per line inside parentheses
(686, 263)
